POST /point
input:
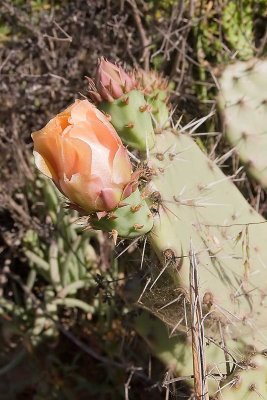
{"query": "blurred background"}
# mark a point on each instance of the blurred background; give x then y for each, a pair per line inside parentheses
(66, 331)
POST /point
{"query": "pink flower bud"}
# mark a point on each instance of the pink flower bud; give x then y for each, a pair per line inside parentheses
(80, 150)
(112, 81)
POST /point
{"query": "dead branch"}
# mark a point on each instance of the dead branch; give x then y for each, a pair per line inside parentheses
(197, 330)
(142, 33)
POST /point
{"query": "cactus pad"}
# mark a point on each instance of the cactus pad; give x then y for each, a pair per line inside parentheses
(200, 215)
(243, 104)
(132, 219)
(200, 208)
(130, 116)
(157, 91)
(248, 381)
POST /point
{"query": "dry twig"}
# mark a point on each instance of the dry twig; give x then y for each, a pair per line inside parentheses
(197, 330)
(142, 33)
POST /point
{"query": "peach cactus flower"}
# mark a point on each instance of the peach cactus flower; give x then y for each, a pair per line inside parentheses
(81, 151)
(112, 81)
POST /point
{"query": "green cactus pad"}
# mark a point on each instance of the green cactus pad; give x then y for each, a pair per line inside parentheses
(131, 118)
(249, 380)
(243, 105)
(131, 220)
(175, 350)
(201, 209)
(160, 111)
(199, 214)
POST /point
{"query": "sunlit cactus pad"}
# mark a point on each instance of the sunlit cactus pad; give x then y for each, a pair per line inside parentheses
(131, 118)
(199, 209)
(248, 381)
(243, 105)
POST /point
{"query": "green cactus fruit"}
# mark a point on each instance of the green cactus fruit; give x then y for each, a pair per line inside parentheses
(243, 105)
(130, 116)
(160, 111)
(156, 89)
(130, 220)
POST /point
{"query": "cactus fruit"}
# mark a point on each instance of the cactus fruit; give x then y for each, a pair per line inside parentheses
(243, 105)
(115, 92)
(130, 116)
(131, 219)
(156, 90)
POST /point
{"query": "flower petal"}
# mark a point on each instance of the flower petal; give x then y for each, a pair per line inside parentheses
(47, 143)
(77, 156)
(43, 165)
(83, 191)
(79, 110)
(109, 198)
(121, 168)
(81, 151)
(94, 124)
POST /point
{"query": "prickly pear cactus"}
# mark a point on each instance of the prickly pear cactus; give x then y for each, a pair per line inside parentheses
(206, 279)
(156, 90)
(172, 351)
(202, 223)
(199, 209)
(175, 350)
(243, 105)
(131, 219)
(248, 381)
(201, 219)
(130, 115)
